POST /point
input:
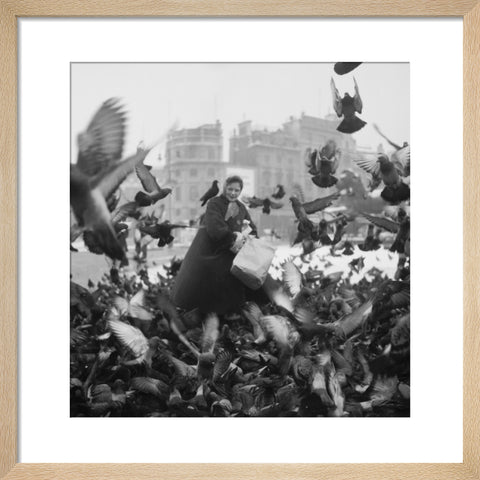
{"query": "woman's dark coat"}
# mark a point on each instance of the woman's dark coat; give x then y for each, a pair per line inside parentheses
(204, 280)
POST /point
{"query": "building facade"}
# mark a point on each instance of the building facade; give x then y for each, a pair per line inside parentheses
(193, 160)
(262, 157)
(278, 157)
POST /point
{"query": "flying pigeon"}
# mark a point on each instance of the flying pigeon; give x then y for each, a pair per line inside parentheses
(98, 173)
(346, 107)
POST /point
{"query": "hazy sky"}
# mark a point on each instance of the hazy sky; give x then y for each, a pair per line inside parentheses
(157, 95)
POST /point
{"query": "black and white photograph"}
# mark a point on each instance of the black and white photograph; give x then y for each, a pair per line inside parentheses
(240, 240)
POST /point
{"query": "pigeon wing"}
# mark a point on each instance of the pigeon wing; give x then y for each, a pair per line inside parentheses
(150, 386)
(304, 316)
(337, 101)
(129, 209)
(130, 337)
(352, 321)
(110, 181)
(276, 205)
(382, 222)
(137, 307)
(103, 141)
(222, 363)
(148, 181)
(277, 294)
(401, 159)
(319, 204)
(210, 333)
(276, 328)
(402, 297)
(401, 331)
(292, 278)
(357, 100)
(254, 202)
(121, 305)
(370, 165)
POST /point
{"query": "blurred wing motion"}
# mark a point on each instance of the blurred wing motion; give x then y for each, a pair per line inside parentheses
(383, 222)
(320, 203)
(352, 321)
(210, 333)
(253, 202)
(100, 148)
(130, 337)
(103, 140)
(137, 307)
(292, 278)
(129, 209)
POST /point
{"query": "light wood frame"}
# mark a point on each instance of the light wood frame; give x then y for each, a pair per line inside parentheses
(11, 10)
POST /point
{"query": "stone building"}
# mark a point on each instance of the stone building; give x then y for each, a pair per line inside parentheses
(262, 157)
(193, 159)
(278, 157)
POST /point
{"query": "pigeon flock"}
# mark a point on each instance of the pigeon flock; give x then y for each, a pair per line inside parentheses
(323, 344)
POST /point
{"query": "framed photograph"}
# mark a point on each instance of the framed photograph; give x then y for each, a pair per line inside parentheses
(239, 208)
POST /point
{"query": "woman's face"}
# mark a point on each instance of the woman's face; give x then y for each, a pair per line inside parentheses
(232, 191)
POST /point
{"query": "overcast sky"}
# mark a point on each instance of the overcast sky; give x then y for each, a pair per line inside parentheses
(158, 95)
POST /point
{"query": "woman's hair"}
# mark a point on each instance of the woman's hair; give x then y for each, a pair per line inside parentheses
(234, 179)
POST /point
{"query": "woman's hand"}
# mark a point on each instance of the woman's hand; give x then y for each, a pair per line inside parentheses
(238, 243)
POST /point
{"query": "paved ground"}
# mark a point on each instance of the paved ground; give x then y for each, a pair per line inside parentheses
(86, 265)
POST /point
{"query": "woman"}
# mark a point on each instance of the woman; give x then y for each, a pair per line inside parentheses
(204, 280)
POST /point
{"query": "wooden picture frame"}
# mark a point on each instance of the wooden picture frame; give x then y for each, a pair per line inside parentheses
(11, 10)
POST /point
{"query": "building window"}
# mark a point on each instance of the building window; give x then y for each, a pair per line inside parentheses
(178, 212)
(193, 213)
(177, 153)
(266, 177)
(194, 193)
(178, 173)
(210, 172)
(178, 194)
(193, 172)
(211, 153)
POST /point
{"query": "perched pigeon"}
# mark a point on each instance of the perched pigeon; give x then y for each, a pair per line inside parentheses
(210, 193)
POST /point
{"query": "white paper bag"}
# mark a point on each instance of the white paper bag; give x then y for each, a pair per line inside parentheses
(252, 262)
